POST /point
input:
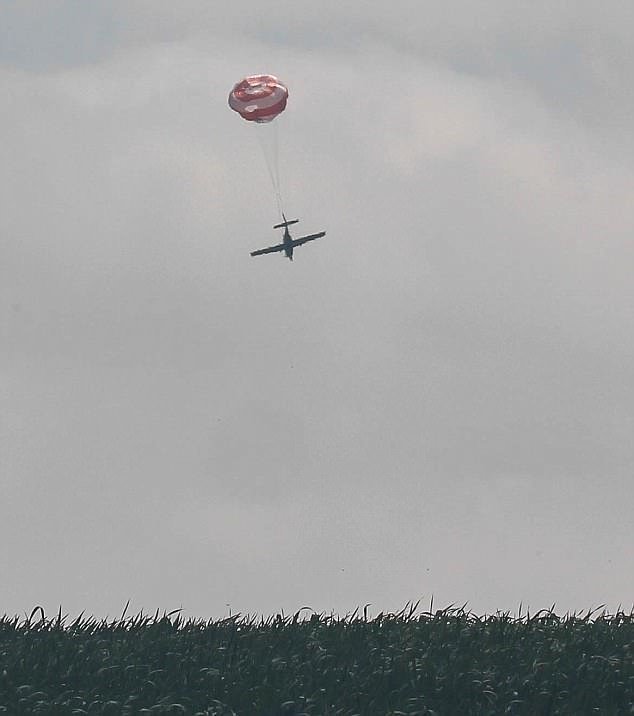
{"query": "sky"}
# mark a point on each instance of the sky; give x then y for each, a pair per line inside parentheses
(434, 402)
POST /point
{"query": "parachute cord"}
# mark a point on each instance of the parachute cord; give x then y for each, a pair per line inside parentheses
(278, 190)
(268, 139)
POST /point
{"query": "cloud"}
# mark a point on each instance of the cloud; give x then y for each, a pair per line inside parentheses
(442, 383)
(36, 37)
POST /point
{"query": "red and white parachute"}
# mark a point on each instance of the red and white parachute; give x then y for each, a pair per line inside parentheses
(260, 99)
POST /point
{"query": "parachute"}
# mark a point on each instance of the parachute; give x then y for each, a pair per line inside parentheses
(260, 99)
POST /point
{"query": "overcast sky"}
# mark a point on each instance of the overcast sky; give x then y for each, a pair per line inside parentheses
(434, 400)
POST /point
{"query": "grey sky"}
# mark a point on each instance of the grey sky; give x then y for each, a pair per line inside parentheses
(436, 399)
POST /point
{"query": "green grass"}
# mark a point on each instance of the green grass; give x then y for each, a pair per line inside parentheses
(450, 662)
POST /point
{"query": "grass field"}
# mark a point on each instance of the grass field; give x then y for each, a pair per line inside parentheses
(449, 662)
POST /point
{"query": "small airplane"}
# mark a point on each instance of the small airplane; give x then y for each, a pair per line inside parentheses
(288, 243)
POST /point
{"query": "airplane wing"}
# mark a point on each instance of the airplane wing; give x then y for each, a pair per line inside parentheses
(269, 250)
(311, 237)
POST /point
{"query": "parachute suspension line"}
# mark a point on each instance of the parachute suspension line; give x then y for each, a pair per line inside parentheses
(269, 142)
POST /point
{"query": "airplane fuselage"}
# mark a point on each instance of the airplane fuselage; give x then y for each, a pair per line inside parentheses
(288, 243)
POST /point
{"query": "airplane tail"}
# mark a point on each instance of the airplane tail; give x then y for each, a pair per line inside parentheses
(285, 223)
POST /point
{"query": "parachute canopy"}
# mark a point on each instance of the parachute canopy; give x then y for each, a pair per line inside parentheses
(258, 98)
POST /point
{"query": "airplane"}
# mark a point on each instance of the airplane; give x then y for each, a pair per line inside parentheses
(288, 243)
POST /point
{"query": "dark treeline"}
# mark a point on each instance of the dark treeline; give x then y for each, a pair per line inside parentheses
(447, 662)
